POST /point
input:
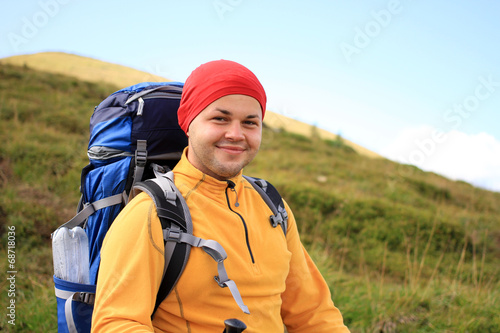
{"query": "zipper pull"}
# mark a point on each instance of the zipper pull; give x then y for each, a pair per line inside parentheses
(141, 106)
(231, 186)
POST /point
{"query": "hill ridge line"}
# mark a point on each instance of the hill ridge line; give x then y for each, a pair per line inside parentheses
(94, 70)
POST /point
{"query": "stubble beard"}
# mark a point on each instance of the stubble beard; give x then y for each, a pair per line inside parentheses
(212, 165)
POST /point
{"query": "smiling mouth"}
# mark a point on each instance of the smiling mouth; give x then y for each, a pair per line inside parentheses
(232, 149)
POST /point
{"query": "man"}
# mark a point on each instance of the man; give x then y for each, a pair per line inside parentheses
(222, 109)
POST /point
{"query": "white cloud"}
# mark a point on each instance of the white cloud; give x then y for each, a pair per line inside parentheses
(456, 155)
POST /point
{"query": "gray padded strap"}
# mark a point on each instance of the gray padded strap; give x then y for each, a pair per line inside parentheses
(168, 191)
(187, 214)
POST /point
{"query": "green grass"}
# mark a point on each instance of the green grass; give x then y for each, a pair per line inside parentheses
(403, 250)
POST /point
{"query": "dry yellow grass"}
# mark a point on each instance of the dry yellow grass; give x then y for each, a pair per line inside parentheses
(84, 68)
(94, 70)
(275, 120)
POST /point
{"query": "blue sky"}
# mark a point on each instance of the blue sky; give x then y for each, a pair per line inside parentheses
(415, 81)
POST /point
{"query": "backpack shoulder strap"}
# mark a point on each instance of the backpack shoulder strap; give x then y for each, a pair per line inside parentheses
(177, 227)
(273, 199)
(173, 222)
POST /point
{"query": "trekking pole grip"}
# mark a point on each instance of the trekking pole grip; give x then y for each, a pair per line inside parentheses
(234, 326)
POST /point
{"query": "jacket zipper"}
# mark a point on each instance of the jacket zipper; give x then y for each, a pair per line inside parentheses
(231, 185)
(152, 95)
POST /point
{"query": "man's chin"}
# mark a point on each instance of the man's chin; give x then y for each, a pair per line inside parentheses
(230, 169)
(231, 164)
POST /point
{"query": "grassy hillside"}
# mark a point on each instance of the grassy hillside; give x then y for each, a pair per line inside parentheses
(92, 70)
(402, 250)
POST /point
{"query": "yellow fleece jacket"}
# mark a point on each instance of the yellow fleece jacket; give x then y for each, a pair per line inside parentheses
(276, 277)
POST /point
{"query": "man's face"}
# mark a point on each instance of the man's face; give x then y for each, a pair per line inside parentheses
(225, 136)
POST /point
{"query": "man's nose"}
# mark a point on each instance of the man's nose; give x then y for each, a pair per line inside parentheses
(235, 132)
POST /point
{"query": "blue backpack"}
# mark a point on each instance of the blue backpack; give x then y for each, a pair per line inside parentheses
(135, 141)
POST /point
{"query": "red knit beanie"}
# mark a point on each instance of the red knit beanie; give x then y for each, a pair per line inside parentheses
(214, 80)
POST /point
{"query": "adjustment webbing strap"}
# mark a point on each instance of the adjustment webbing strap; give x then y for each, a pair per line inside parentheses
(70, 296)
(234, 291)
(141, 156)
(216, 251)
(64, 294)
(69, 316)
(91, 208)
